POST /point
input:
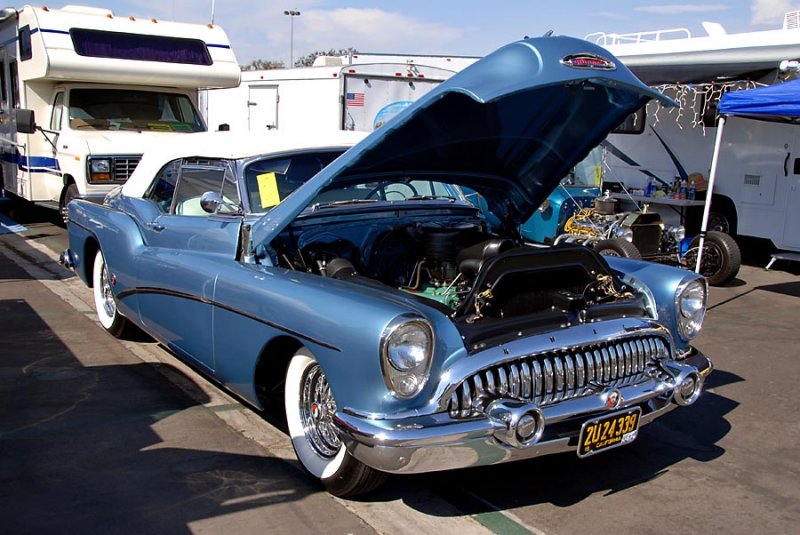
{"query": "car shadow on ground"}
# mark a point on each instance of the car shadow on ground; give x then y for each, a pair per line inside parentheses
(103, 448)
(687, 433)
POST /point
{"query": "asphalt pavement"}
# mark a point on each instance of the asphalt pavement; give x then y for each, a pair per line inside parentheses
(95, 440)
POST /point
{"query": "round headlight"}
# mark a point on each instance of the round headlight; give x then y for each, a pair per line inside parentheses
(691, 305)
(678, 233)
(406, 349)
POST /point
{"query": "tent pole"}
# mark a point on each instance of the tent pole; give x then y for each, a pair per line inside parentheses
(711, 178)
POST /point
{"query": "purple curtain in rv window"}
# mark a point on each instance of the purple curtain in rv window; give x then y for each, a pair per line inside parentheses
(117, 45)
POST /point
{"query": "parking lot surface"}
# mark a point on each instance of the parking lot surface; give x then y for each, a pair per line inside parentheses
(99, 435)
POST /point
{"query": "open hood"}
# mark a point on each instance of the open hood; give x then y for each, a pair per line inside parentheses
(510, 126)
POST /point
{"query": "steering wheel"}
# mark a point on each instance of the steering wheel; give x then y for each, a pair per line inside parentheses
(383, 191)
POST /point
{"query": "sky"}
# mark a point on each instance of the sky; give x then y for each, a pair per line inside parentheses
(260, 30)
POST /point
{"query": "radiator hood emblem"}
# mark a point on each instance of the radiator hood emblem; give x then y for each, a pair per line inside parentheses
(588, 61)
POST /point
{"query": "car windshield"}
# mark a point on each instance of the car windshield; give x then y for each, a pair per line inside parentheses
(269, 181)
(124, 109)
(390, 189)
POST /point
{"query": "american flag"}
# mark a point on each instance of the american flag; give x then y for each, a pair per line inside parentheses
(354, 99)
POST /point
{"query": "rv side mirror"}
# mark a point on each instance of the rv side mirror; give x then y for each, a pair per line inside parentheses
(25, 120)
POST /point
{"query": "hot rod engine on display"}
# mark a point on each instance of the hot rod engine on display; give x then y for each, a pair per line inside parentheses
(643, 234)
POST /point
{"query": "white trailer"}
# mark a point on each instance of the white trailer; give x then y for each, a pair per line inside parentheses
(83, 92)
(328, 97)
(757, 188)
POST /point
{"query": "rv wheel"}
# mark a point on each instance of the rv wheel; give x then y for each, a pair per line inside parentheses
(617, 247)
(70, 192)
(721, 257)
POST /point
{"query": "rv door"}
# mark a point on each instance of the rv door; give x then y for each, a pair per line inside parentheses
(262, 108)
(791, 229)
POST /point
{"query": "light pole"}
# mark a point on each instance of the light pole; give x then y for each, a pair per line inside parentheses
(292, 14)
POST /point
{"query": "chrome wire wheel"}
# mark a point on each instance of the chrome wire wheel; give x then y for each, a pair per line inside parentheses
(107, 297)
(317, 408)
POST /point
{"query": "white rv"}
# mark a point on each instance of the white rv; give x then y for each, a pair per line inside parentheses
(757, 189)
(328, 96)
(82, 92)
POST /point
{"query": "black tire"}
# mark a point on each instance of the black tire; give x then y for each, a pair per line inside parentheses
(720, 222)
(618, 247)
(70, 193)
(721, 257)
(309, 403)
(105, 306)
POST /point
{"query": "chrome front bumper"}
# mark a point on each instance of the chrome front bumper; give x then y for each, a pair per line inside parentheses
(439, 442)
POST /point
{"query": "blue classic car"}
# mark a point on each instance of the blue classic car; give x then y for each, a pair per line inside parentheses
(361, 294)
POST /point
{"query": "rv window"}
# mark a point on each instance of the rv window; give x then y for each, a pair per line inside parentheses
(633, 123)
(25, 48)
(128, 109)
(13, 81)
(118, 45)
(710, 116)
(58, 111)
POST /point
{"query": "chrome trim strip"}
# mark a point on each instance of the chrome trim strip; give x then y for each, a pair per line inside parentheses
(183, 295)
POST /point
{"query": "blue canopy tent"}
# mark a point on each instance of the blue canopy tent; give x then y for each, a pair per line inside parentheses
(779, 102)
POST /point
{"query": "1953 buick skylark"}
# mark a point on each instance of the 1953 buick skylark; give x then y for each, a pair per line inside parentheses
(356, 289)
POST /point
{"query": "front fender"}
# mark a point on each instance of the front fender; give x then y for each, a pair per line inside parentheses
(662, 282)
(341, 322)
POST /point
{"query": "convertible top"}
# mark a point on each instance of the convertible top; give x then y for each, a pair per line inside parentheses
(233, 146)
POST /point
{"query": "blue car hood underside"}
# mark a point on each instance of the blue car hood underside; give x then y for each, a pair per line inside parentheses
(510, 127)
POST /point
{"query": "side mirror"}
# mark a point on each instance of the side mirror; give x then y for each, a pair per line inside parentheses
(210, 202)
(25, 121)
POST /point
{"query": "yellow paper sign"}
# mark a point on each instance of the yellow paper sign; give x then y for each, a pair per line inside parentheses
(268, 190)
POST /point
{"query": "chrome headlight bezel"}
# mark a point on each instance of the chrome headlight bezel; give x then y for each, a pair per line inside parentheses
(406, 349)
(691, 300)
(678, 233)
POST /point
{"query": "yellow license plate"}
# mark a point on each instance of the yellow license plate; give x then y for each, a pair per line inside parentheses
(609, 431)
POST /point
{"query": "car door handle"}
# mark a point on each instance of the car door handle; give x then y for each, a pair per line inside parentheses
(155, 226)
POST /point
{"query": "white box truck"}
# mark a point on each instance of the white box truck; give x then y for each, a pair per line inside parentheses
(83, 92)
(334, 97)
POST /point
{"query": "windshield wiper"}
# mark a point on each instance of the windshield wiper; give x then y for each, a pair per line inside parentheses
(448, 198)
(332, 204)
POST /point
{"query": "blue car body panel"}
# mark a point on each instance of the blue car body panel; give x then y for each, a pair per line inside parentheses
(545, 225)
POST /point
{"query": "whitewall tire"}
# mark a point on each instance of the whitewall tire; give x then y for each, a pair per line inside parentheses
(310, 408)
(104, 302)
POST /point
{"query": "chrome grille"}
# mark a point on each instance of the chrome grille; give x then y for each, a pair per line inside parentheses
(124, 166)
(558, 375)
